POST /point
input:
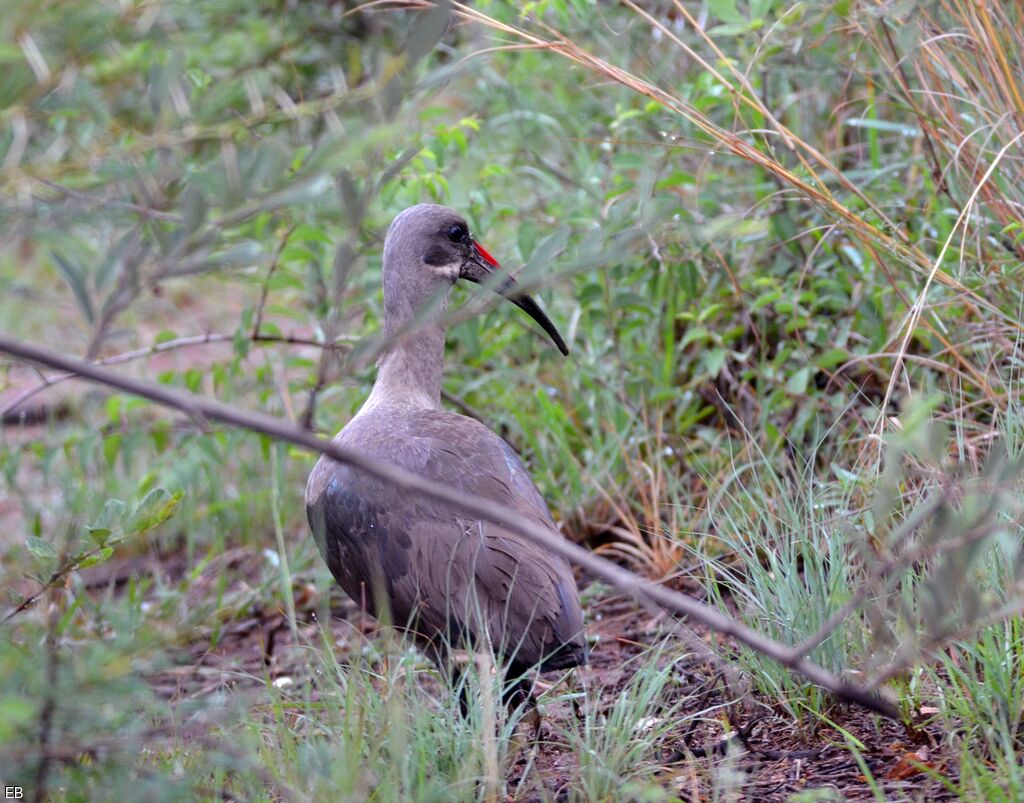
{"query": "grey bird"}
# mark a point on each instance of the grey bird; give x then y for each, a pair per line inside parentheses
(448, 578)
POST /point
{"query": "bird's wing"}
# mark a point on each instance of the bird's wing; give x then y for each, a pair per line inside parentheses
(443, 572)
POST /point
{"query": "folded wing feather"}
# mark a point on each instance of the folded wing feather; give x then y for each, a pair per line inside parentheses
(439, 571)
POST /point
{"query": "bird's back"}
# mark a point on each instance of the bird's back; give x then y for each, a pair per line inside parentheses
(442, 573)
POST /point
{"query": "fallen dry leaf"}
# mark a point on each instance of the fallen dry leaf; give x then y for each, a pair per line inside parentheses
(910, 764)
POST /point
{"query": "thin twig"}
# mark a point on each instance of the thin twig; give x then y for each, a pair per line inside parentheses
(49, 707)
(265, 289)
(1008, 610)
(642, 590)
(142, 211)
(8, 409)
(868, 585)
(910, 651)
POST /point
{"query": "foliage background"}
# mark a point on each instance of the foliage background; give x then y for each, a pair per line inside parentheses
(768, 261)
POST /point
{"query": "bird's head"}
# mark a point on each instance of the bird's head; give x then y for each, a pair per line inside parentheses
(429, 247)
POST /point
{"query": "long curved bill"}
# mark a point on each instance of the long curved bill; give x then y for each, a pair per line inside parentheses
(480, 267)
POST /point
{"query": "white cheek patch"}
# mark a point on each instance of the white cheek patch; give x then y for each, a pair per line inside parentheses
(450, 271)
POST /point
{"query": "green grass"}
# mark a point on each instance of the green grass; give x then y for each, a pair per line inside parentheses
(981, 687)
(617, 746)
(790, 566)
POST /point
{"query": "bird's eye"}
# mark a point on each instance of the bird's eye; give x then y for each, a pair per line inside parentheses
(458, 233)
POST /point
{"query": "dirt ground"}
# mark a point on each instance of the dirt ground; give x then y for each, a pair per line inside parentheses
(757, 744)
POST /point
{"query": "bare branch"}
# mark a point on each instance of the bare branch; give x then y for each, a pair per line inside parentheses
(265, 289)
(10, 409)
(142, 211)
(883, 569)
(642, 590)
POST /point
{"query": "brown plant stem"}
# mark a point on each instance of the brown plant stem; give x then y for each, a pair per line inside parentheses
(168, 345)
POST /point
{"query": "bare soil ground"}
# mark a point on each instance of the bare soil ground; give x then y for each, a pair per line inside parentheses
(758, 744)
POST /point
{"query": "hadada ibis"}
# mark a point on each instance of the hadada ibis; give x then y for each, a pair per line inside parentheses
(450, 579)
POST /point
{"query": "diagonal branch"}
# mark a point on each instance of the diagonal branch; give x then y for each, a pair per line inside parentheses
(9, 411)
(642, 590)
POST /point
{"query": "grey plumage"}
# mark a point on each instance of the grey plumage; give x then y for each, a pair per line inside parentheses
(446, 577)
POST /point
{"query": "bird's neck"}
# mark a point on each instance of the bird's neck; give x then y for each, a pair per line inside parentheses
(410, 370)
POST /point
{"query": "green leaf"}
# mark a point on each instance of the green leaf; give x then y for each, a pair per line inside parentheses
(677, 178)
(193, 379)
(160, 436)
(99, 534)
(194, 209)
(241, 342)
(797, 383)
(110, 519)
(10, 53)
(626, 299)
(155, 508)
(114, 407)
(832, 358)
(15, 711)
(729, 29)
(112, 448)
(630, 161)
(40, 548)
(243, 254)
(768, 297)
(886, 126)
(548, 249)
(695, 333)
(714, 360)
(97, 557)
(726, 10)
(75, 277)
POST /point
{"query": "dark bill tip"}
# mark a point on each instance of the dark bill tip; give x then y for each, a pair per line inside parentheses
(529, 306)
